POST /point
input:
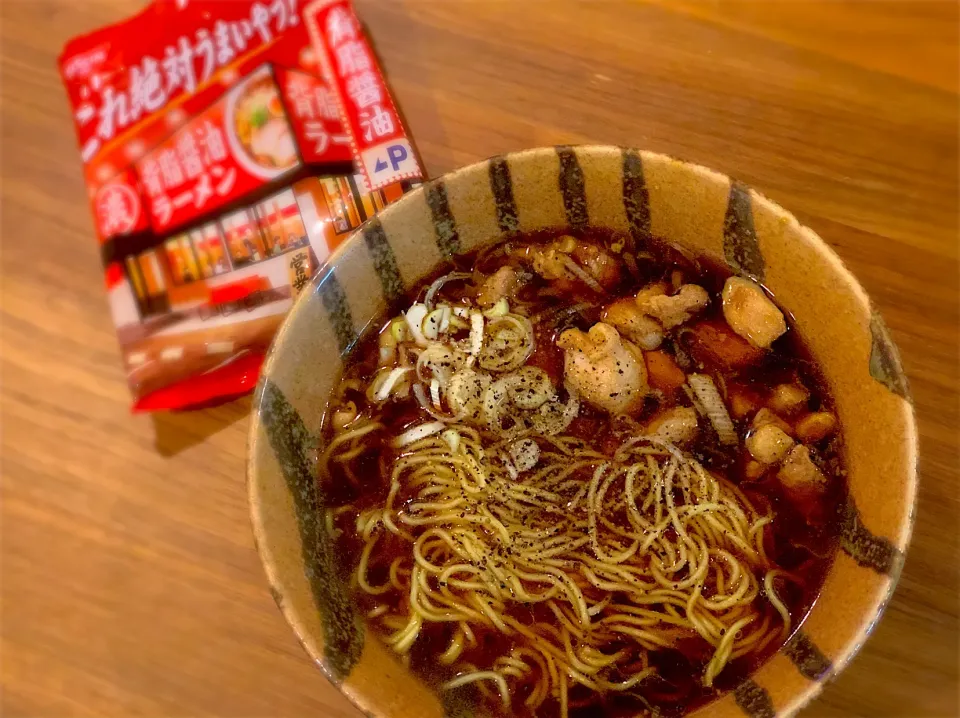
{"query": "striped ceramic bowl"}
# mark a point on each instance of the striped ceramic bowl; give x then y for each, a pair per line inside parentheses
(631, 191)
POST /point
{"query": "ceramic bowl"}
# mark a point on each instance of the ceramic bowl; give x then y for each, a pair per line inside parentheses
(631, 191)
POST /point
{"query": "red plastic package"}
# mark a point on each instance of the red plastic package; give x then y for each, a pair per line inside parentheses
(228, 148)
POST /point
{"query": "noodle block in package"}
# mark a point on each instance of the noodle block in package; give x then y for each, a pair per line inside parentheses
(228, 148)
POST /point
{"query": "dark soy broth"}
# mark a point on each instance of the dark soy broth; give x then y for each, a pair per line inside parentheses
(801, 539)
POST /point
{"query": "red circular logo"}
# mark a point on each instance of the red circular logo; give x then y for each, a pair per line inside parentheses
(118, 209)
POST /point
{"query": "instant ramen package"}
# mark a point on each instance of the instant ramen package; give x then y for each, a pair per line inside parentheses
(228, 147)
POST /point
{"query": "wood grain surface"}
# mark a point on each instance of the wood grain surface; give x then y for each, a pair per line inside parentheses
(129, 578)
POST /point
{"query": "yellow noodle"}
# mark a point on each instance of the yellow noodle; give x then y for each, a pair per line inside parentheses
(453, 650)
(482, 676)
(481, 542)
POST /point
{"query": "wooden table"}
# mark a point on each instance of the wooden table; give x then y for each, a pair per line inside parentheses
(130, 581)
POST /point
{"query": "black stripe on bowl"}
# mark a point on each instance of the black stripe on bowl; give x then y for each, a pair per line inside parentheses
(740, 246)
(502, 187)
(338, 310)
(572, 187)
(885, 364)
(754, 700)
(870, 551)
(444, 225)
(291, 443)
(384, 262)
(636, 197)
(808, 659)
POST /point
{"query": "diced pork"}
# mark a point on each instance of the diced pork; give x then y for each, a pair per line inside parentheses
(816, 426)
(750, 313)
(765, 416)
(799, 473)
(769, 444)
(626, 317)
(607, 371)
(500, 284)
(672, 311)
(676, 426)
(788, 398)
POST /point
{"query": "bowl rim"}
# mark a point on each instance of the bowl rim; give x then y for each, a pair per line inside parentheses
(798, 699)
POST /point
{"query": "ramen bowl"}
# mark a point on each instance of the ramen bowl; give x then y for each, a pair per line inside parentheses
(628, 191)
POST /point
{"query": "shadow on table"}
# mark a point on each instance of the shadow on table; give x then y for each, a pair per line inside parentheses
(178, 430)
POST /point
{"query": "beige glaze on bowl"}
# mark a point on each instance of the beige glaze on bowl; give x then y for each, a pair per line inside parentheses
(630, 191)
